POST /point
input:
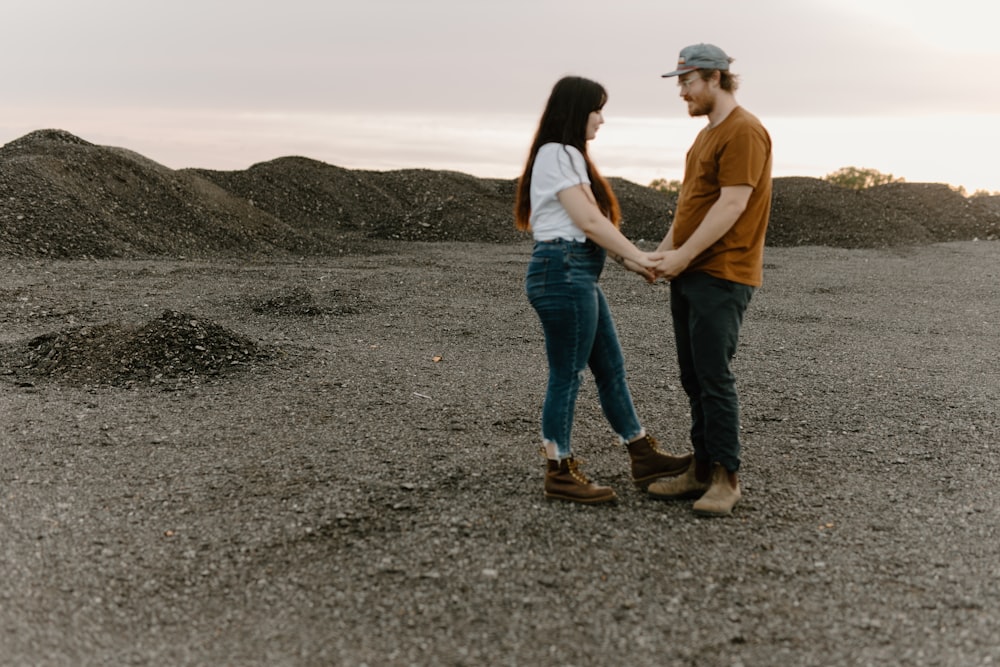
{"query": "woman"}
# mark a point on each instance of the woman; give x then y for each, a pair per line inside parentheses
(574, 217)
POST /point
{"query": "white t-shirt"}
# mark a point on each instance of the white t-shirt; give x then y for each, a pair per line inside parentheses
(557, 167)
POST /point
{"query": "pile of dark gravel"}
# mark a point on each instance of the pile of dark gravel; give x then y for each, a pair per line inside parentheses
(63, 197)
(300, 301)
(809, 211)
(174, 346)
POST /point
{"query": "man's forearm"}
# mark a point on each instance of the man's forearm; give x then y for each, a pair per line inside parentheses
(720, 218)
(668, 241)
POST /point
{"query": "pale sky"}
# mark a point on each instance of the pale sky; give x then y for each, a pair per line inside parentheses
(906, 87)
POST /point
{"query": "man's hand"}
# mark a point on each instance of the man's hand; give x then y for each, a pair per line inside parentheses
(672, 264)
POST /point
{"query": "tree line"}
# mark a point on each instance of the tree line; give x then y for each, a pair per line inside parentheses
(853, 178)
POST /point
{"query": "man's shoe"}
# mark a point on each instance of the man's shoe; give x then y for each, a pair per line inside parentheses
(722, 495)
(565, 481)
(650, 463)
(687, 485)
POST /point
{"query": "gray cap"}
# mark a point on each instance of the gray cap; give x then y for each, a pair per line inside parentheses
(700, 56)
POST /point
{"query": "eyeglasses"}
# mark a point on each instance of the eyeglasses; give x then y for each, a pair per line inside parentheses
(685, 84)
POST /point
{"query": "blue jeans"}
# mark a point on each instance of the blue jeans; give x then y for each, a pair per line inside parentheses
(707, 314)
(561, 284)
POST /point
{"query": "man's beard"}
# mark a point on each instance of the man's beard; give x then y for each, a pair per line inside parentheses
(701, 107)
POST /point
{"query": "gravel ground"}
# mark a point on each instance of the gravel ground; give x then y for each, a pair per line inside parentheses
(347, 473)
(288, 416)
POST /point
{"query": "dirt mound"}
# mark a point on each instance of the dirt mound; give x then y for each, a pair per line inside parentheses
(809, 211)
(61, 196)
(412, 205)
(174, 346)
(299, 301)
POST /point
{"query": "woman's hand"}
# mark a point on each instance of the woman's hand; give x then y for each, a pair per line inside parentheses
(643, 265)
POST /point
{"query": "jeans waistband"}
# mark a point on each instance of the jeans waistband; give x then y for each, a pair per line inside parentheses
(560, 241)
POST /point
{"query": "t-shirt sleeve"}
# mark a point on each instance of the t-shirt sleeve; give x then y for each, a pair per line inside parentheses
(558, 167)
(744, 158)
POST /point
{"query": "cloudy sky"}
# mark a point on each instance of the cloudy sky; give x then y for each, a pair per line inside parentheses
(906, 87)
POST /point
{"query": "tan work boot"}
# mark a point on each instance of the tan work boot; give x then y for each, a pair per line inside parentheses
(565, 481)
(692, 483)
(650, 463)
(722, 495)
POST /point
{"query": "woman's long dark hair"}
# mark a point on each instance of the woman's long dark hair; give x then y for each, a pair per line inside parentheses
(564, 121)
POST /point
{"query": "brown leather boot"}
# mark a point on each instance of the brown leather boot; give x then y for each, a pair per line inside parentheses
(722, 495)
(692, 483)
(565, 481)
(650, 463)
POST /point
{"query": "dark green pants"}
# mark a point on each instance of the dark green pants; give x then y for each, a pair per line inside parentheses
(707, 314)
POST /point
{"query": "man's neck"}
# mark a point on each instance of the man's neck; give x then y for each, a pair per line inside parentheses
(724, 104)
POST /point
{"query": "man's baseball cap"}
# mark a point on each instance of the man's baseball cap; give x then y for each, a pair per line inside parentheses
(700, 56)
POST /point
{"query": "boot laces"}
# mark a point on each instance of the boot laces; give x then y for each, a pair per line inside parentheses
(575, 471)
(654, 445)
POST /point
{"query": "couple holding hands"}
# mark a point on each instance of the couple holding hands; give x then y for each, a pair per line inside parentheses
(712, 255)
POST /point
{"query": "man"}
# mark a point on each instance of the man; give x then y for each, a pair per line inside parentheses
(714, 261)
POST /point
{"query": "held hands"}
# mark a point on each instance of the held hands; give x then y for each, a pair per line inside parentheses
(644, 265)
(671, 264)
(655, 265)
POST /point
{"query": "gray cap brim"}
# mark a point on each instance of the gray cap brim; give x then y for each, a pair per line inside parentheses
(678, 72)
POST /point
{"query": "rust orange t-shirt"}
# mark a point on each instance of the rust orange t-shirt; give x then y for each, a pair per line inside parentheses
(735, 152)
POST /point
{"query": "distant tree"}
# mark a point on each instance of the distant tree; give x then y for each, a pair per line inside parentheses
(960, 189)
(859, 179)
(665, 186)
